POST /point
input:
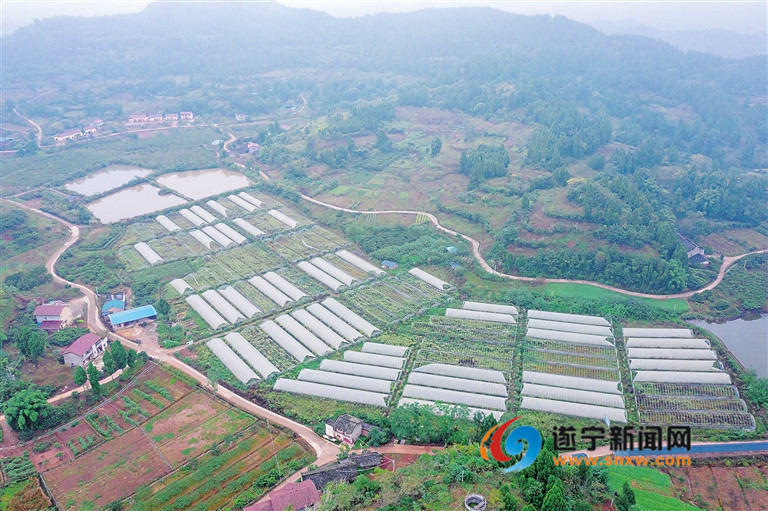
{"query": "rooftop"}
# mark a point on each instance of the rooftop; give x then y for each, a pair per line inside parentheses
(346, 424)
(51, 325)
(299, 495)
(116, 304)
(144, 312)
(82, 344)
(50, 309)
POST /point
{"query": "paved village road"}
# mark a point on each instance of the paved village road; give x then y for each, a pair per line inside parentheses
(727, 261)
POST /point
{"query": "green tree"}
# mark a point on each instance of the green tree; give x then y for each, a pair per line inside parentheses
(162, 307)
(626, 499)
(26, 408)
(131, 358)
(93, 377)
(554, 500)
(109, 362)
(119, 355)
(435, 146)
(80, 377)
(31, 342)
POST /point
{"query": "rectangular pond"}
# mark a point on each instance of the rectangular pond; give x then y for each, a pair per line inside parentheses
(746, 338)
(111, 177)
(198, 184)
(132, 202)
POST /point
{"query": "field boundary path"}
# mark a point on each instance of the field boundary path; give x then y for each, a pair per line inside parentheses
(727, 261)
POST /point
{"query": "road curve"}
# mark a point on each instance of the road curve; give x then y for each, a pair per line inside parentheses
(727, 261)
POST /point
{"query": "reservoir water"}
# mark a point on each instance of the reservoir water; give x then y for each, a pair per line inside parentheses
(198, 184)
(746, 338)
(132, 202)
(110, 178)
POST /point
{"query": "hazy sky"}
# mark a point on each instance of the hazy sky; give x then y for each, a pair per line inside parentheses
(742, 16)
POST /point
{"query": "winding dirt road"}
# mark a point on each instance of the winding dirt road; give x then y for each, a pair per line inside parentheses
(727, 261)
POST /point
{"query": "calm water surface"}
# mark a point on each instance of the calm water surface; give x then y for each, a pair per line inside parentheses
(746, 338)
(198, 184)
(110, 178)
(132, 202)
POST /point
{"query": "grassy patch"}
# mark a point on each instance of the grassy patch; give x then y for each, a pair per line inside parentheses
(568, 290)
(653, 488)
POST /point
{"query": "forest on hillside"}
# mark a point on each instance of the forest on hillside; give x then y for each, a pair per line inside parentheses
(628, 141)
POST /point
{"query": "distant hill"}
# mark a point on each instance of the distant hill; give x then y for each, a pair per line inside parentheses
(725, 43)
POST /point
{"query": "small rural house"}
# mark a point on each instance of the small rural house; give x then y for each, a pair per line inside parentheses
(112, 306)
(346, 428)
(85, 348)
(187, 116)
(295, 496)
(53, 316)
(344, 471)
(138, 118)
(68, 135)
(171, 117)
(131, 316)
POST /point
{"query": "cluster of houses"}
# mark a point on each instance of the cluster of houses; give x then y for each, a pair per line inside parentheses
(72, 134)
(157, 118)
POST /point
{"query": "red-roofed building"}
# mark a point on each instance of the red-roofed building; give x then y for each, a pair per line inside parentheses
(51, 326)
(85, 348)
(59, 312)
(299, 495)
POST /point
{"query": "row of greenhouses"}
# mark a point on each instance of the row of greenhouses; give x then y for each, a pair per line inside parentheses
(678, 379)
(364, 377)
(570, 367)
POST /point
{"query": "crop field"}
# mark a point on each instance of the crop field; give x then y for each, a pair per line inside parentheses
(231, 265)
(393, 299)
(179, 246)
(584, 349)
(561, 357)
(717, 405)
(305, 243)
(733, 488)
(469, 330)
(157, 427)
(303, 281)
(268, 348)
(143, 231)
(460, 358)
(255, 296)
(687, 389)
(698, 418)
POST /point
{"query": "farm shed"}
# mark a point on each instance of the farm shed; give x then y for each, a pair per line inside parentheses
(180, 285)
(358, 261)
(285, 341)
(303, 335)
(490, 307)
(662, 342)
(471, 373)
(446, 382)
(574, 409)
(222, 306)
(169, 224)
(330, 392)
(202, 238)
(248, 227)
(229, 358)
(217, 236)
(454, 396)
(346, 380)
(334, 322)
(217, 208)
(349, 316)
(572, 382)
(669, 353)
(119, 319)
(579, 328)
(284, 286)
(112, 306)
(659, 332)
(573, 395)
(242, 303)
(436, 408)
(573, 337)
(385, 349)
(282, 217)
(148, 253)
(250, 208)
(673, 365)
(269, 290)
(717, 378)
(380, 373)
(230, 233)
(570, 318)
(373, 359)
(480, 316)
(250, 198)
(319, 328)
(210, 316)
(320, 275)
(334, 271)
(193, 218)
(428, 278)
(253, 356)
(202, 214)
